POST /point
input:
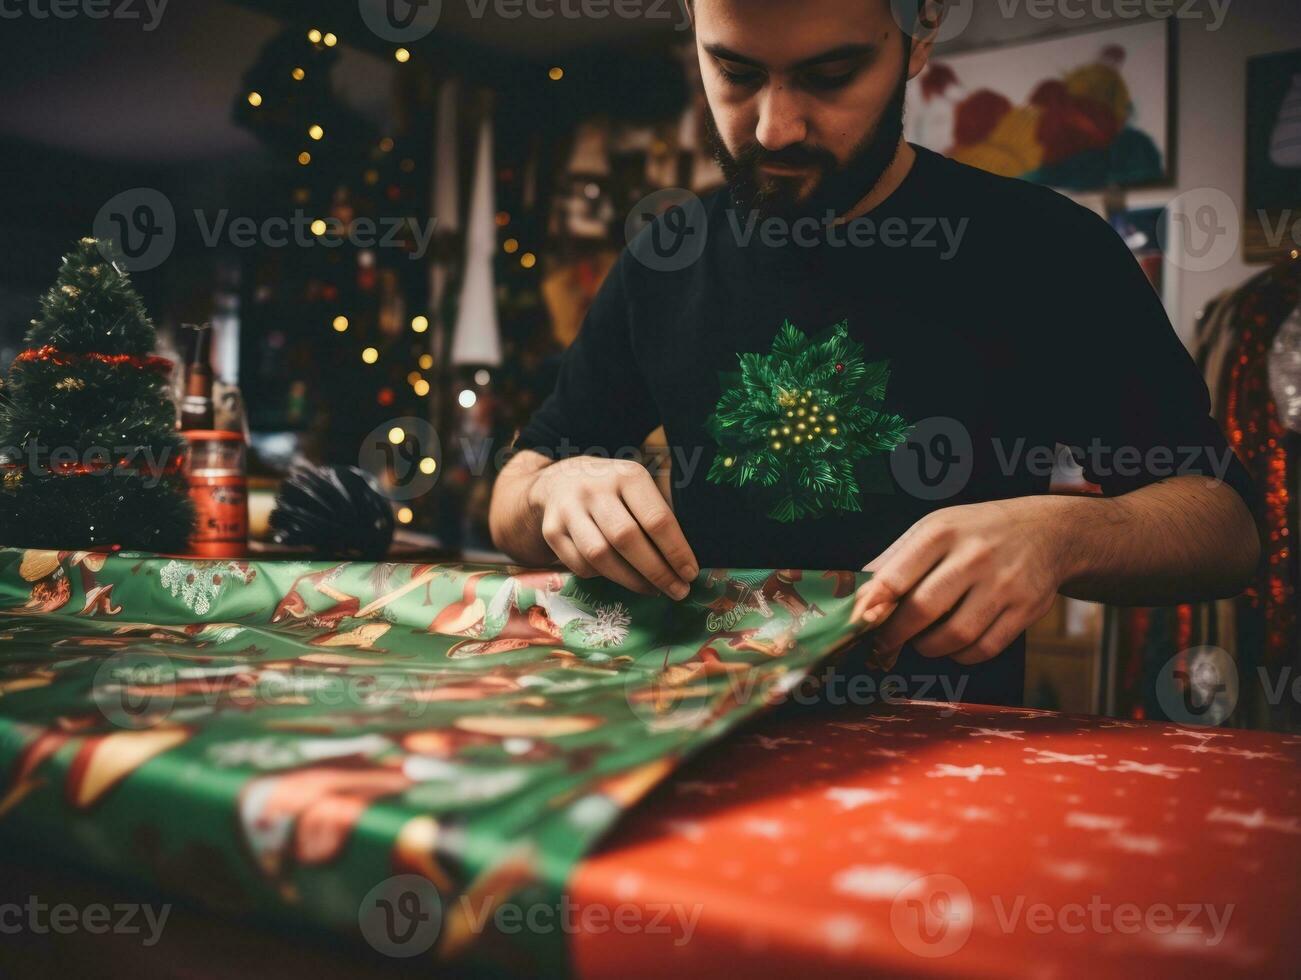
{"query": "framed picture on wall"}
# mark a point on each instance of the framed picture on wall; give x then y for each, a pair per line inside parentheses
(1272, 212)
(1085, 111)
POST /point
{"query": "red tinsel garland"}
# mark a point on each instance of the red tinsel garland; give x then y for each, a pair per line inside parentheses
(1258, 438)
(51, 354)
(1183, 627)
(173, 465)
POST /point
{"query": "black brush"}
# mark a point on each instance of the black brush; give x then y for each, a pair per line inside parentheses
(337, 511)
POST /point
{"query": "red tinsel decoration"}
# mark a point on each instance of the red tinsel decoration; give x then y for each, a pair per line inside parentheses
(1184, 627)
(1259, 439)
(173, 465)
(52, 355)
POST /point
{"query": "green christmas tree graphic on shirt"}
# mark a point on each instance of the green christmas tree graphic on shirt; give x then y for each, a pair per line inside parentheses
(792, 424)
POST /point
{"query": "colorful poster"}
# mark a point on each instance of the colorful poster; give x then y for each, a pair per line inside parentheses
(1081, 112)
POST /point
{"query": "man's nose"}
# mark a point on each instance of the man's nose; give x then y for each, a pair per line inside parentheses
(781, 119)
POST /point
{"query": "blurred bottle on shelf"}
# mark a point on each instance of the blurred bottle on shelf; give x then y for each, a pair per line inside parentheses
(196, 403)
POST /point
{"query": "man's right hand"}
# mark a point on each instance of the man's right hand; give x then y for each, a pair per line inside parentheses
(606, 517)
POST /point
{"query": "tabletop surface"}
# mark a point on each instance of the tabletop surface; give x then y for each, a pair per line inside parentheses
(291, 741)
(818, 841)
(927, 839)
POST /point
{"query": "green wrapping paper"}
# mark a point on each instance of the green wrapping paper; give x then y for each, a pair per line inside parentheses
(317, 741)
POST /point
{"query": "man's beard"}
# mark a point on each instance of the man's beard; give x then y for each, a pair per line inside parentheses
(837, 189)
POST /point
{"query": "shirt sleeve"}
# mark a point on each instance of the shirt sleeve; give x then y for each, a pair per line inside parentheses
(1128, 399)
(601, 405)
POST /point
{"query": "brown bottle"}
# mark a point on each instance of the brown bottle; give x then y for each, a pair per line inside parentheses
(196, 405)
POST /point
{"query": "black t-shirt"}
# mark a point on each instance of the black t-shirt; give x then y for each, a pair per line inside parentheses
(999, 318)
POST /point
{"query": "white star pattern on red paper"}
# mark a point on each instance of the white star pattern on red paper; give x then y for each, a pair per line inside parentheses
(760, 827)
(1137, 843)
(969, 773)
(852, 797)
(882, 881)
(1048, 757)
(1155, 769)
(1011, 734)
(1257, 819)
(1094, 821)
(764, 742)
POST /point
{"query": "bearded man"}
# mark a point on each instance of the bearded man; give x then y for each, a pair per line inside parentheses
(867, 357)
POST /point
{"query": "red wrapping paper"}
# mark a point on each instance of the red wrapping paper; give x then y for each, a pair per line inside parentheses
(941, 840)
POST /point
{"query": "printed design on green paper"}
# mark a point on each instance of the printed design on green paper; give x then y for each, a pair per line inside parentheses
(792, 424)
(283, 738)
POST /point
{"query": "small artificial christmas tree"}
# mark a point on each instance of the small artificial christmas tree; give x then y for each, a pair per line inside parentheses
(91, 455)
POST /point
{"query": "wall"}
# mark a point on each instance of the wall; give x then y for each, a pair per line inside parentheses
(1211, 111)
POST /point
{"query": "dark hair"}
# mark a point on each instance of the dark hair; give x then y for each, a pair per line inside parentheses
(921, 5)
(907, 36)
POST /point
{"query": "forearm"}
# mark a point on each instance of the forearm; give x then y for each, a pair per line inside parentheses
(1181, 540)
(514, 523)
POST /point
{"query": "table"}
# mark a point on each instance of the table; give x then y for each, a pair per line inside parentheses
(939, 840)
(786, 849)
(293, 742)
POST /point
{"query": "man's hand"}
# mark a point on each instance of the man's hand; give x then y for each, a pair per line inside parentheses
(606, 517)
(963, 582)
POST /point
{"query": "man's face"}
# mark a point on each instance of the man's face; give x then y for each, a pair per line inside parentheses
(805, 98)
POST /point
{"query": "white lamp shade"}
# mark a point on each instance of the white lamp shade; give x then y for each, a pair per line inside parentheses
(477, 337)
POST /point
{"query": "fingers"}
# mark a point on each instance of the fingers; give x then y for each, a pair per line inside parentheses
(607, 518)
(648, 508)
(997, 638)
(903, 565)
(933, 597)
(870, 615)
(963, 627)
(622, 531)
(563, 545)
(597, 552)
(961, 582)
(876, 564)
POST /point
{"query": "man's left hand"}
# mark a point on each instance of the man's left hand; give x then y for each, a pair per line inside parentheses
(965, 581)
